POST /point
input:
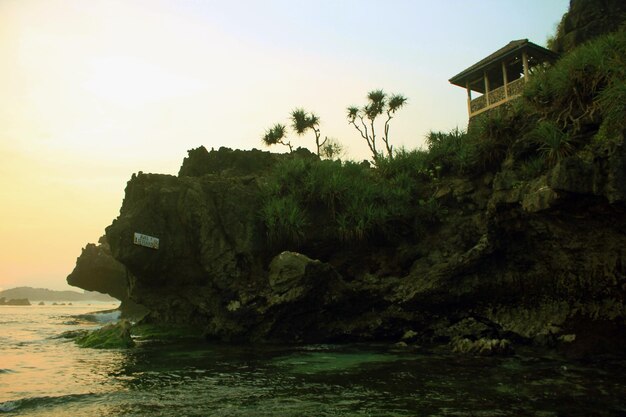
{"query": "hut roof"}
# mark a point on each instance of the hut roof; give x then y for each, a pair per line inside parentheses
(513, 47)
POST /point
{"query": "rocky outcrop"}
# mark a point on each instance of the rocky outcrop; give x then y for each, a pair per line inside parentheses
(511, 262)
(229, 162)
(587, 19)
(211, 264)
(97, 270)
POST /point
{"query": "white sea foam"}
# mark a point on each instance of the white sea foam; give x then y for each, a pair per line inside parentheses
(107, 317)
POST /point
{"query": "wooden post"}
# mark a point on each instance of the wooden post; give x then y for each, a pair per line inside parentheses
(525, 63)
(469, 98)
(486, 88)
(506, 81)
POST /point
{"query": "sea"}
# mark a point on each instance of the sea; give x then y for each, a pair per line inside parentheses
(42, 374)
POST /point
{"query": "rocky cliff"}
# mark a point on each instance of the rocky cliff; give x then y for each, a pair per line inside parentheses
(587, 19)
(537, 261)
(511, 233)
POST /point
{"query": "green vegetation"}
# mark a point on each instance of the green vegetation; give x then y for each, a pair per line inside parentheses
(584, 91)
(578, 103)
(348, 201)
(379, 103)
(553, 144)
(301, 122)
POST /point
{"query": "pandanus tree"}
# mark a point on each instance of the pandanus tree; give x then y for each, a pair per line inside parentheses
(363, 119)
(277, 135)
(301, 121)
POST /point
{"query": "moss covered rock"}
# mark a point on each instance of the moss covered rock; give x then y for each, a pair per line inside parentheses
(112, 336)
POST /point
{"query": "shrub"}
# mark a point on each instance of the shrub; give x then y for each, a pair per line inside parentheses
(612, 104)
(343, 201)
(284, 218)
(442, 147)
(553, 143)
(494, 132)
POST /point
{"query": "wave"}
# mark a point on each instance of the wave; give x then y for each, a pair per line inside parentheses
(100, 317)
(6, 371)
(35, 402)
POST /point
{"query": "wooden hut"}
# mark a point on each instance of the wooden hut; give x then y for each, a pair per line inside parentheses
(500, 77)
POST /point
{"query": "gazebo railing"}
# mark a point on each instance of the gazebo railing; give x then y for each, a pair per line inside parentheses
(497, 97)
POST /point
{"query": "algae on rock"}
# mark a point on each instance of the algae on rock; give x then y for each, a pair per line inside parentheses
(111, 336)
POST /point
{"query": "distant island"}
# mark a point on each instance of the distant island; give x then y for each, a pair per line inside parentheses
(14, 302)
(42, 294)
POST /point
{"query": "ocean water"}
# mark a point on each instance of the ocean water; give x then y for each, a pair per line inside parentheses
(43, 375)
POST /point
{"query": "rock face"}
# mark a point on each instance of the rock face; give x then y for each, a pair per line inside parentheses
(211, 264)
(206, 228)
(97, 270)
(587, 19)
(511, 262)
(226, 162)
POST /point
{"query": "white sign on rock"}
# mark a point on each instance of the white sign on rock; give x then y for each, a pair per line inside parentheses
(147, 241)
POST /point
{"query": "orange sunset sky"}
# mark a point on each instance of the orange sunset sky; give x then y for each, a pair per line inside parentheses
(92, 91)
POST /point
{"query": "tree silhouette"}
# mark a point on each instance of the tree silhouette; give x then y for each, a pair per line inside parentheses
(276, 134)
(301, 121)
(378, 103)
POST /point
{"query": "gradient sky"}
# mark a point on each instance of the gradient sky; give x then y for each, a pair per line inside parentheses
(92, 91)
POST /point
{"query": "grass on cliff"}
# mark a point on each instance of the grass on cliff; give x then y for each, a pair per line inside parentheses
(344, 201)
(483, 147)
(585, 91)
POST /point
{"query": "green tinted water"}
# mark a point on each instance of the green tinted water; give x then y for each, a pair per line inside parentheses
(44, 376)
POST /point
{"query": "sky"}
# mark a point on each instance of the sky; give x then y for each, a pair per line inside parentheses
(92, 91)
